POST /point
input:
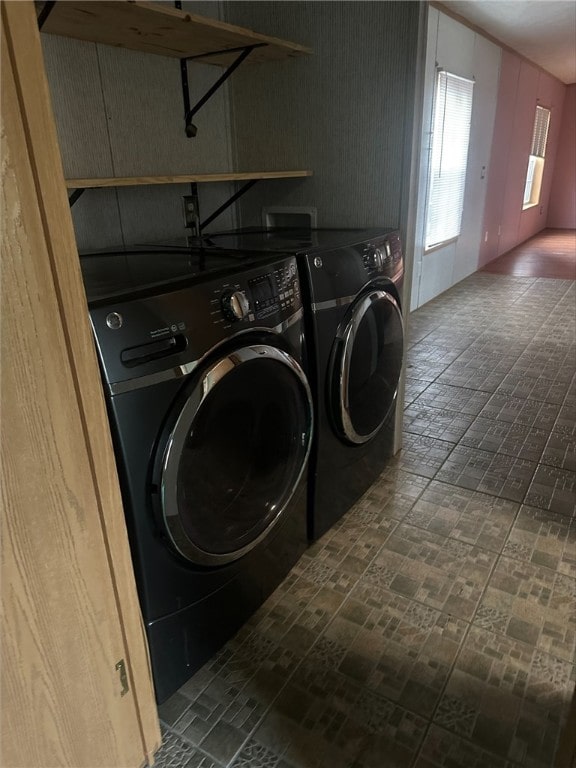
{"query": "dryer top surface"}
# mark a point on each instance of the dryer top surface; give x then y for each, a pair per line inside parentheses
(292, 240)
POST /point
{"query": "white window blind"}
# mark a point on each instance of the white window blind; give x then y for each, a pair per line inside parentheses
(449, 157)
(540, 134)
(529, 179)
(535, 169)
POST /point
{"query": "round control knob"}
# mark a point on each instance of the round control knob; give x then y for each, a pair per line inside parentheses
(375, 258)
(234, 305)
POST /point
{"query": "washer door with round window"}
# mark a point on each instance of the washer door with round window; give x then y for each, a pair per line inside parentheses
(235, 454)
(367, 363)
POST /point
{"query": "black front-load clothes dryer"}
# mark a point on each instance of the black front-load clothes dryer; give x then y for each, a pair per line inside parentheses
(211, 416)
(352, 282)
(354, 302)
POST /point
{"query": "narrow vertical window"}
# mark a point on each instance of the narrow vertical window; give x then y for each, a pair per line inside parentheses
(536, 158)
(449, 157)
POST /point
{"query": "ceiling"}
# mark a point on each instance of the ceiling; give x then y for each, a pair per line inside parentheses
(543, 31)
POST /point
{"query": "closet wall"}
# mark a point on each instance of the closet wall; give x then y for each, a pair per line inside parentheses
(346, 112)
(120, 113)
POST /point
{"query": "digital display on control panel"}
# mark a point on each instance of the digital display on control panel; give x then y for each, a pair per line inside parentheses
(264, 294)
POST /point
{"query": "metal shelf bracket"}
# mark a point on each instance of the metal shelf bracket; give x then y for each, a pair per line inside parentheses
(227, 204)
(76, 195)
(189, 111)
(45, 12)
(192, 207)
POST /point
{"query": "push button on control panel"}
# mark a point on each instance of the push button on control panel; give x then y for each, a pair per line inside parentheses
(287, 281)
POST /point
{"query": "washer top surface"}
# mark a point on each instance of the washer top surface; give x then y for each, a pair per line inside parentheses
(134, 270)
(147, 268)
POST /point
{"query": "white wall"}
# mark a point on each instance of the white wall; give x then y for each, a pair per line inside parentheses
(454, 47)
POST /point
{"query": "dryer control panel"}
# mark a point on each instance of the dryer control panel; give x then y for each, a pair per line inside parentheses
(383, 257)
(336, 276)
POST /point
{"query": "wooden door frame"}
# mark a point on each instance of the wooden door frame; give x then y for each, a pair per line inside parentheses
(23, 55)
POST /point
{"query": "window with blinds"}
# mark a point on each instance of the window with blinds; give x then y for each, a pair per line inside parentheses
(536, 158)
(448, 157)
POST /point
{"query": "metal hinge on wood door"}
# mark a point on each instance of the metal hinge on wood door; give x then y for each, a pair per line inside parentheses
(121, 668)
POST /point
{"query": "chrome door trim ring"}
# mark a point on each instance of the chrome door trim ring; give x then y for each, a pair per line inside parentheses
(348, 338)
(168, 485)
(148, 380)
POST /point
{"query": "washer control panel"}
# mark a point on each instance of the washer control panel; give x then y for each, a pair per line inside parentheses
(145, 335)
(274, 292)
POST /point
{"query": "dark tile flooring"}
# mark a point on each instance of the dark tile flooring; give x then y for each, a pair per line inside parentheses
(435, 625)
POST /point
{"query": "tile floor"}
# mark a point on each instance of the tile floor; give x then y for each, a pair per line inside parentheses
(435, 625)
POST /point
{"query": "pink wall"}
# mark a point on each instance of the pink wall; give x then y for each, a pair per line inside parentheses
(551, 94)
(562, 208)
(518, 151)
(522, 88)
(498, 169)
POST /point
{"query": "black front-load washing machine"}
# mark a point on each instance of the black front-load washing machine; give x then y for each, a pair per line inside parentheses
(211, 416)
(352, 282)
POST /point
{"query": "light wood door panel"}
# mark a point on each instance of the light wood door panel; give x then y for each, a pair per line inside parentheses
(69, 608)
(37, 115)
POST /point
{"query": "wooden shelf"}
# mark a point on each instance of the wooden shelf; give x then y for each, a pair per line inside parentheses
(152, 28)
(132, 181)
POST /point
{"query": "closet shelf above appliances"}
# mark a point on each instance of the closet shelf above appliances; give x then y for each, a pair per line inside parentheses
(162, 30)
(80, 185)
(132, 181)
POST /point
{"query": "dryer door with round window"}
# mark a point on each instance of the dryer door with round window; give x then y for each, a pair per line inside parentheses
(235, 455)
(367, 363)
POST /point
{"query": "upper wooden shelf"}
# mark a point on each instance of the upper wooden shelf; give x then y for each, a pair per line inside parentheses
(132, 181)
(162, 30)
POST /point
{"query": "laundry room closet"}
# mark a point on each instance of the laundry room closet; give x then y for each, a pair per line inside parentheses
(95, 129)
(80, 691)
